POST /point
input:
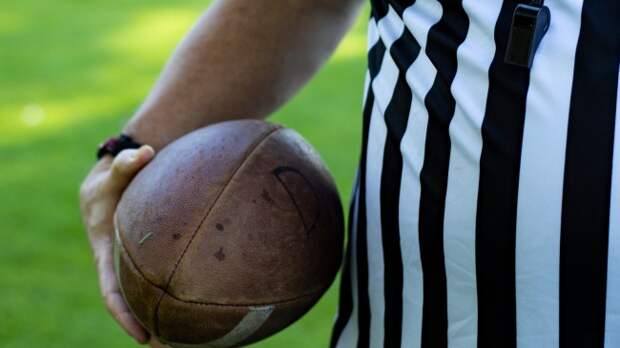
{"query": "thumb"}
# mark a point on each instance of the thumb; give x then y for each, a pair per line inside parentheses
(127, 164)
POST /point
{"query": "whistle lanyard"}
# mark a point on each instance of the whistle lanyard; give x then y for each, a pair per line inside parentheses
(530, 22)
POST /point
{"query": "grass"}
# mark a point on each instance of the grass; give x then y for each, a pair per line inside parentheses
(71, 73)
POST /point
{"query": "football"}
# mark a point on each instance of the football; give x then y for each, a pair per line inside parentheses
(228, 235)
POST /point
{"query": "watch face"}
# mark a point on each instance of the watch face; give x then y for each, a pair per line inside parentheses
(113, 146)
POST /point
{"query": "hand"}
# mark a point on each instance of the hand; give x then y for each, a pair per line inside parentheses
(99, 196)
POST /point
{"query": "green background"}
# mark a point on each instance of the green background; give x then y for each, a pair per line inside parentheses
(71, 73)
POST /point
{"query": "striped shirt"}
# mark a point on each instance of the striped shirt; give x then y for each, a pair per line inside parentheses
(487, 206)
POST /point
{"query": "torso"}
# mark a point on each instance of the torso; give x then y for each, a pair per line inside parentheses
(487, 208)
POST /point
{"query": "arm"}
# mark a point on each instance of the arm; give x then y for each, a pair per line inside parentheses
(243, 59)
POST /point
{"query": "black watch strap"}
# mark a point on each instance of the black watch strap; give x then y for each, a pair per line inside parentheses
(115, 145)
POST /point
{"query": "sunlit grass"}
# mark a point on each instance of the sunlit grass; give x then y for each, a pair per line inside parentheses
(139, 49)
(10, 23)
(150, 34)
(136, 51)
(352, 47)
(71, 73)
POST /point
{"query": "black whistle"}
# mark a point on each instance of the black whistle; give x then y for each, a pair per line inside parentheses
(529, 25)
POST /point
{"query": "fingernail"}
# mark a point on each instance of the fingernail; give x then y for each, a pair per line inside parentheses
(148, 149)
(141, 338)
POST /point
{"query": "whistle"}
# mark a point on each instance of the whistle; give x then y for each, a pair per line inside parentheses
(529, 25)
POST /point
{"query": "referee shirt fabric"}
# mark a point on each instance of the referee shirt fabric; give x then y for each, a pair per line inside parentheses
(487, 206)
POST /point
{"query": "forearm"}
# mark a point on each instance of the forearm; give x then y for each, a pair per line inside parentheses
(242, 60)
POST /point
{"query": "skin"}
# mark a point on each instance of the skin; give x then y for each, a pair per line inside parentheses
(243, 59)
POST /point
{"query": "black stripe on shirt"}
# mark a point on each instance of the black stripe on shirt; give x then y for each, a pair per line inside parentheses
(401, 5)
(404, 51)
(345, 302)
(444, 39)
(587, 177)
(496, 218)
(379, 9)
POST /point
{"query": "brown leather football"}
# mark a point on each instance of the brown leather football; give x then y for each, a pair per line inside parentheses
(230, 234)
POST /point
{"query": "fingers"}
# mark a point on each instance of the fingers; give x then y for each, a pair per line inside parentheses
(114, 301)
(127, 164)
(99, 196)
(102, 189)
(153, 343)
(118, 309)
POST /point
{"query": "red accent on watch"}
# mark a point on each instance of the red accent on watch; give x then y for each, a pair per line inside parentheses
(115, 145)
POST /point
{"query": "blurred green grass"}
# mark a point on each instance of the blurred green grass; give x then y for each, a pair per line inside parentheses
(71, 73)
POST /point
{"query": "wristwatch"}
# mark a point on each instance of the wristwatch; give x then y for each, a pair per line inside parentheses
(115, 145)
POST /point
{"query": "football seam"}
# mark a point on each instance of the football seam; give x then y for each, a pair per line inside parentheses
(249, 154)
(164, 289)
(216, 304)
(258, 304)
